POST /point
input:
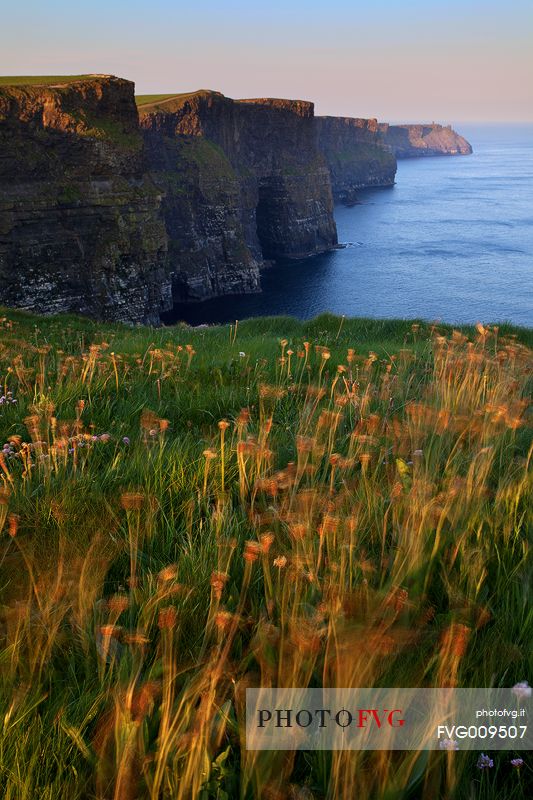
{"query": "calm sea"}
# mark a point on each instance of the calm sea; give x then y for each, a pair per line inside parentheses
(451, 241)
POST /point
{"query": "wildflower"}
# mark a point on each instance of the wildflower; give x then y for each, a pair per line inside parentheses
(13, 525)
(218, 581)
(517, 762)
(280, 562)
(298, 531)
(209, 454)
(448, 744)
(252, 550)
(223, 620)
(110, 631)
(137, 638)
(143, 700)
(522, 690)
(168, 573)
(304, 444)
(455, 639)
(244, 416)
(484, 762)
(364, 459)
(242, 355)
(266, 540)
(125, 440)
(131, 501)
(118, 603)
(223, 424)
(167, 617)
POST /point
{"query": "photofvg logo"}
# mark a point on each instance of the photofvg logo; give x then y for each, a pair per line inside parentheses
(388, 719)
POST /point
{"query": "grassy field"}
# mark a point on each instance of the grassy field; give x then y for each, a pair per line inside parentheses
(150, 99)
(155, 102)
(187, 512)
(40, 80)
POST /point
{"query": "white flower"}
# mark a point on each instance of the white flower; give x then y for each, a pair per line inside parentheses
(522, 690)
(242, 355)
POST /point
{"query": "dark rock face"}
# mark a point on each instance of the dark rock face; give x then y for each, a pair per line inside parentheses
(80, 224)
(413, 141)
(256, 188)
(356, 155)
(203, 214)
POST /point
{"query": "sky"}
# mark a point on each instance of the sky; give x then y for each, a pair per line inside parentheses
(408, 60)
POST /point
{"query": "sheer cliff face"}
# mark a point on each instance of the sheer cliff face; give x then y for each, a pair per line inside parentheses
(118, 217)
(413, 141)
(255, 175)
(356, 156)
(80, 223)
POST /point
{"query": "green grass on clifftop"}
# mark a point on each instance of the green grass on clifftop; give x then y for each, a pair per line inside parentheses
(150, 99)
(167, 102)
(41, 80)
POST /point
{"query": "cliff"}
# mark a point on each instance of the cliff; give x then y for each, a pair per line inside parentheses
(80, 224)
(356, 155)
(413, 141)
(118, 213)
(243, 181)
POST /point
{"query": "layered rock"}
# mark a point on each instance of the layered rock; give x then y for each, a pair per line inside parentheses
(413, 141)
(80, 223)
(356, 155)
(252, 187)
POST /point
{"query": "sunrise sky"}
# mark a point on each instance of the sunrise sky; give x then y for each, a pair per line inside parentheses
(399, 60)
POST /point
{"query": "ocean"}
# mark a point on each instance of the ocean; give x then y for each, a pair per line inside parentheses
(451, 241)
